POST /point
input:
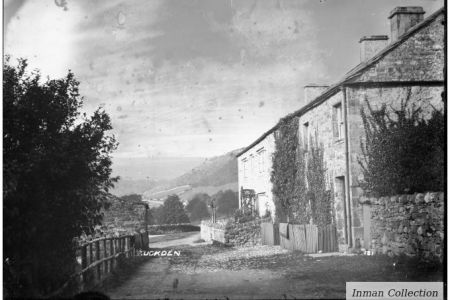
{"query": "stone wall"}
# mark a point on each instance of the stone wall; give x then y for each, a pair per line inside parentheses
(409, 224)
(232, 234)
(320, 126)
(124, 216)
(243, 234)
(212, 232)
(417, 63)
(420, 57)
(427, 98)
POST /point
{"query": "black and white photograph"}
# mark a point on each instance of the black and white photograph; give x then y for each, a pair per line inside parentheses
(224, 149)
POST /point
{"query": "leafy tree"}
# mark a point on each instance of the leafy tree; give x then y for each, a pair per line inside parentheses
(173, 211)
(402, 152)
(200, 197)
(56, 177)
(157, 215)
(200, 211)
(197, 207)
(227, 202)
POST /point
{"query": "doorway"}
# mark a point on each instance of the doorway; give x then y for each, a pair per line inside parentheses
(341, 209)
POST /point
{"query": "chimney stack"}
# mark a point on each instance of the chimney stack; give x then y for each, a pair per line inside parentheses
(312, 91)
(403, 18)
(370, 45)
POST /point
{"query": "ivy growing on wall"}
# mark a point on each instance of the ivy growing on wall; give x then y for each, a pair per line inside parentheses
(319, 196)
(284, 176)
(298, 178)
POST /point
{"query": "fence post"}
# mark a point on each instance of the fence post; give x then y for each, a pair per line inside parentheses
(105, 255)
(125, 246)
(97, 258)
(114, 249)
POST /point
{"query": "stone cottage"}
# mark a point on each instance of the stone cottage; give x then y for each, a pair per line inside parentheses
(411, 61)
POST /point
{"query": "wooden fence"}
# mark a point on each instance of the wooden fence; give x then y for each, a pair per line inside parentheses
(100, 256)
(327, 239)
(306, 238)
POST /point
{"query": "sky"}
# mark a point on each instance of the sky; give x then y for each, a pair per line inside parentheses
(194, 78)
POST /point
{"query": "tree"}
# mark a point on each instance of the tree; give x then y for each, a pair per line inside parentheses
(200, 197)
(227, 202)
(173, 211)
(200, 211)
(157, 214)
(56, 177)
(197, 207)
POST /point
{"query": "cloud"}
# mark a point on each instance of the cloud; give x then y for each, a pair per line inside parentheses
(211, 84)
(185, 78)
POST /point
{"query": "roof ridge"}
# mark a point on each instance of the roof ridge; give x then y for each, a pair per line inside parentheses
(350, 75)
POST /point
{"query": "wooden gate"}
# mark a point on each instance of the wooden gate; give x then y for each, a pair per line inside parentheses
(270, 234)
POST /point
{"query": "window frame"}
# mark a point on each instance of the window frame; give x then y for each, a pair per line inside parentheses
(306, 135)
(338, 122)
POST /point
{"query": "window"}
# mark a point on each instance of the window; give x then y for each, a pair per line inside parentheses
(338, 122)
(306, 135)
(261, 160)
(245, 167)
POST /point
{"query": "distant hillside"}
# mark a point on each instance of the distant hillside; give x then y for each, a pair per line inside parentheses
(153, 168)
(129, 186)
(139, 174)
(213, 175)
(210, 190)
(185, 192)
(214, 171)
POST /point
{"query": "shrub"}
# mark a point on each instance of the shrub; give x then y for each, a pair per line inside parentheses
(56, 177)
(241, 216)
(402, 152)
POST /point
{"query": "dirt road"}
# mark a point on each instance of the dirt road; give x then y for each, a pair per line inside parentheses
(262, 272)
(176, 239)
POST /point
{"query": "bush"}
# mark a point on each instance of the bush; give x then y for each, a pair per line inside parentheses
(56, 178)
(402, 152)
(243, 234)
(241, 216)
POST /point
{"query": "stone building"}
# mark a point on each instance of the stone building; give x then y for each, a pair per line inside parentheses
(412, 61)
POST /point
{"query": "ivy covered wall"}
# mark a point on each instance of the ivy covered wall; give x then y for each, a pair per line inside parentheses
(299, 178)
